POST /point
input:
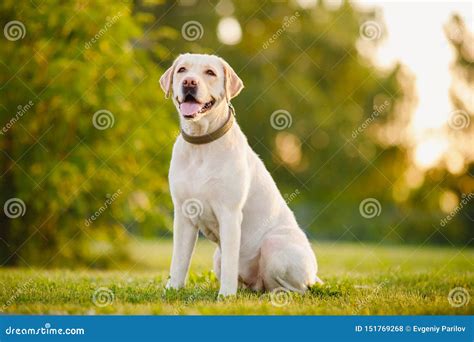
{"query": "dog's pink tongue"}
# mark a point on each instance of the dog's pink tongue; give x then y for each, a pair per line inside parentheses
(189, 108)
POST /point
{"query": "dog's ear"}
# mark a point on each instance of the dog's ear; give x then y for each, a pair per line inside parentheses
(166, 80)
(233, 85)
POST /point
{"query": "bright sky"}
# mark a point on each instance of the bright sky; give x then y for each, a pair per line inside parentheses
(416, 38)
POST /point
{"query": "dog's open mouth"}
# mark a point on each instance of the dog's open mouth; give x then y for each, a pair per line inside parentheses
(190, 107)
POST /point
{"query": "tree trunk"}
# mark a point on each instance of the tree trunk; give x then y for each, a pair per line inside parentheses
(7, 191)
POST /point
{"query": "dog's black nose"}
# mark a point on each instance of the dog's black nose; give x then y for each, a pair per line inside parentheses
(190, 86)
(189, 90)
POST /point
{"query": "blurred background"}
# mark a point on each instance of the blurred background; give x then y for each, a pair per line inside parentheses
(361, 111)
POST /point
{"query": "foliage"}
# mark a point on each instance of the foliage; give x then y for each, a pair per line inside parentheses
(74, 61)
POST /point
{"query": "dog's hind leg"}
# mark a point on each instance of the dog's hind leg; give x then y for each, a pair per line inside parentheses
(217, 263)
(287, 264)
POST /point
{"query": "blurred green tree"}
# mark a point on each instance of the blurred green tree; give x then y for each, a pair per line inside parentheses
(461, 126)
(86, 139)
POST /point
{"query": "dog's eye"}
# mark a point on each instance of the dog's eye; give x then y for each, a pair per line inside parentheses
(182, 69)
(210, 72)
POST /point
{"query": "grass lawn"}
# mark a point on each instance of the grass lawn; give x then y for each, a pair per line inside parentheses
(360, 279)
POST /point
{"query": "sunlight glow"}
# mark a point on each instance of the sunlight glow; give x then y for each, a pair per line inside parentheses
(288, 148)
(429, 152)
(306, 4)
(448, 201)
(229, 31)
(415, 37)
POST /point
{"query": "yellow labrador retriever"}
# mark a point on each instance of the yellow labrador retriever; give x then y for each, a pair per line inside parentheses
(220, 187)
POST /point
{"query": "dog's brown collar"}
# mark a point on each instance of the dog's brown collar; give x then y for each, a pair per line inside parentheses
(207, 138)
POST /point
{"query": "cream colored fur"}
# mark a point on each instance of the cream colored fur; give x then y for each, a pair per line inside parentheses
(239, 207)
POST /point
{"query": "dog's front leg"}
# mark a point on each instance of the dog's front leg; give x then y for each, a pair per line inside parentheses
(229, 230)
(184, 240)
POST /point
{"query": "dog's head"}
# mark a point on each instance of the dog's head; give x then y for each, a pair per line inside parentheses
(198, 83)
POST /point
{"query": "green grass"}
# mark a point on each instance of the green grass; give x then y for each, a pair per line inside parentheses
(360, 279)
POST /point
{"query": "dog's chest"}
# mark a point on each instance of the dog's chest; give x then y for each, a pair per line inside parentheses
(196, 177)
(199, 211)
(196, 182)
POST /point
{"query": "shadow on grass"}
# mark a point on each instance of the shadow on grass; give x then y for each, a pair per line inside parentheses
(202, 287)
(205, 286)
(331, 289)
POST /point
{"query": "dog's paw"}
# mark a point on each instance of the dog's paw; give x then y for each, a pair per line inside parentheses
(319, 281)
(172, 286)
(226, 294)
(224, 298)
(170, 292)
